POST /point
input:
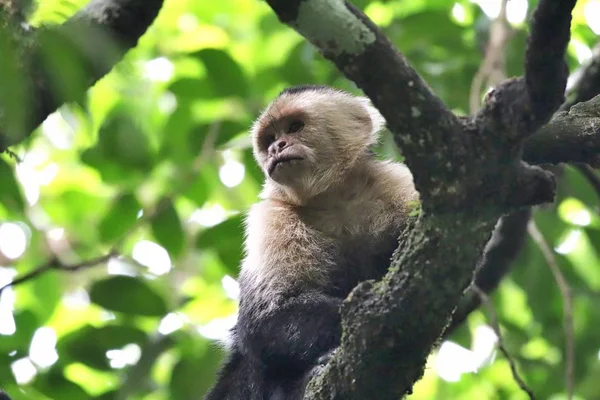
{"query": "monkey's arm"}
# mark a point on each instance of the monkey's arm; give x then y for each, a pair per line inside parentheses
(286, 318)
(292, 336)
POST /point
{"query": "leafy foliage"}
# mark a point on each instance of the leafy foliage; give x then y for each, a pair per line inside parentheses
(155, 162)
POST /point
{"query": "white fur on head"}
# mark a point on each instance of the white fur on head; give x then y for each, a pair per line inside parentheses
(339, 128)
(376, 118)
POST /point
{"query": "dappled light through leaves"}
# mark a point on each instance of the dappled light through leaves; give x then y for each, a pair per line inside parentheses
(150, 172)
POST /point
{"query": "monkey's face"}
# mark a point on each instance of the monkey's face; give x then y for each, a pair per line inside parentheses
(307, 139)
(282, 150)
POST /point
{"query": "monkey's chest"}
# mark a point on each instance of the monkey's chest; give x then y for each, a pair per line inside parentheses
(360, 238)
(360, 258)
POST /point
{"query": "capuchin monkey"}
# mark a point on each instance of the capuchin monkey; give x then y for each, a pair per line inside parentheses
(329, 217)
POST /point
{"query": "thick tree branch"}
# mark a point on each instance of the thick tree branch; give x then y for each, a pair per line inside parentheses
(571, 136)
(416, 116)
(502, 249)
(521, 106)
(571, 145)
(468, 174)
(546, 71)
(391, 326)
(95, 39)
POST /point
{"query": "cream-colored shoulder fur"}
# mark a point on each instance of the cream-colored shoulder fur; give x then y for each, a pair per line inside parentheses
(281, 250)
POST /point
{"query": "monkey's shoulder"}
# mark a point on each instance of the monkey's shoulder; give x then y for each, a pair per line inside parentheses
(281, 248)
(393, 181)
(352, 231)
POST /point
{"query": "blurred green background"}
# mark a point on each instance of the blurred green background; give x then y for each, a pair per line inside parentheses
(155, 161)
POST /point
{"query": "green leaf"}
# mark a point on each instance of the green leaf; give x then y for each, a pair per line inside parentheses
(252, 168)
(123, 141)
(197, 191)
(297, 68)
(167, 229)
(73, 206)
(194, 374)
(89, 344)
(26, 323)
(415, 30)
(229, 129)
(191, 89)
(48, 293)
(23, 393)
(10, 194)
(14, 91)
(224, 74)
(55, 382)
(227, 239)
(112, 172)
(6, 375)
(120, 217)
(128, 295)
(65, 64)
(110, 395)
(175, 136)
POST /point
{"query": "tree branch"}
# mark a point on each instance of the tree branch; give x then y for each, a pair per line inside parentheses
(500, 252)
(546, 70)
(523, 105)
(542, 148)
(571, 136)
(417, 117)
(98, 36)
(55, 264)
(585, 81)
(468, 173)
(566, 293)
(390, 327)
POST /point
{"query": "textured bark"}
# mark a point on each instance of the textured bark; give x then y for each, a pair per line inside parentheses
(571, 136)
(391, 326)
(500, 251)
(543, 147)
(468, 171)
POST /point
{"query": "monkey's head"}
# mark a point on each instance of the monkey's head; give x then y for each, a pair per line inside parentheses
(309, 137)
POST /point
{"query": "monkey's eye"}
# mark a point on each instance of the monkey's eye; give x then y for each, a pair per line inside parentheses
(295, 126)
(268, 139)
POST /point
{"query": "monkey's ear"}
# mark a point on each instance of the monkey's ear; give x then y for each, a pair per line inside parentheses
(377, 120)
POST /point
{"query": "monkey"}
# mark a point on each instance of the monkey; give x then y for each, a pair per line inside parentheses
(329, 217)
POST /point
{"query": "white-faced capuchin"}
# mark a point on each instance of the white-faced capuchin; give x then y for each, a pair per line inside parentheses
(329, 217)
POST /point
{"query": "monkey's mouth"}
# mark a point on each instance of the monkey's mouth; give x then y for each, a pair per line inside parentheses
(281, 161)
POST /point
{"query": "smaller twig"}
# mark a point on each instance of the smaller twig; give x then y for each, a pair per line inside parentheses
(13, 155)
(55, 264)
(565, 291)
(590, 175)
(496, 326)
(492, 69)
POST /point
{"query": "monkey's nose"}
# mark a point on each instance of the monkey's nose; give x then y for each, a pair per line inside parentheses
(278, 146)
